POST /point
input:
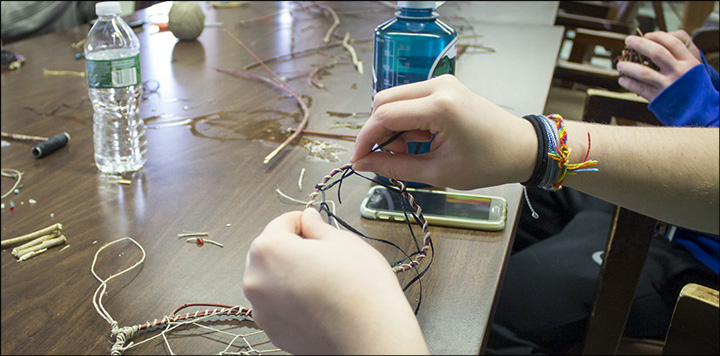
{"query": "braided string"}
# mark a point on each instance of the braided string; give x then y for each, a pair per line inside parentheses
(124, 334)
(561, 154)
(426, 244)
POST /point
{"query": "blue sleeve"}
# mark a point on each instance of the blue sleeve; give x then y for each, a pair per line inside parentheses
(706, 248)
(691, 100)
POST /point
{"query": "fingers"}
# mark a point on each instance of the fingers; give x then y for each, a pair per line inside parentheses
(314, 227)
(413, 116)
(402, 92)
(646, 91)
(399, 166)
(657, 53)
(673, 44)
(688, 42)
(288, 223)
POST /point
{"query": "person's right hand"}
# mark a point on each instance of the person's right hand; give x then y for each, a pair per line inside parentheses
(477, 143)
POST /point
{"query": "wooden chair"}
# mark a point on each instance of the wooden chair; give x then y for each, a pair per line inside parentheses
(604, 24)
(694, 325)
(578, 71)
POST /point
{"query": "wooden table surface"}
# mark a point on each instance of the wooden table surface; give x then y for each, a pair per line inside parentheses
(207, 135)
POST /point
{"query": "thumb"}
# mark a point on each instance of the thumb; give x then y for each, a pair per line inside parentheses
(313, 226)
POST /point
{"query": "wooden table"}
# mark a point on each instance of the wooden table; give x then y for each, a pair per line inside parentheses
(208, 133)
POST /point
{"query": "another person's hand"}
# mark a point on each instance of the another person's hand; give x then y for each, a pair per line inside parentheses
(477, 143)
(317, 290)
(673, 52)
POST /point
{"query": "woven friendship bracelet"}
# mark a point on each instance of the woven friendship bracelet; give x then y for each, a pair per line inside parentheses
(561, 154)
(542, 157)
(553, 160)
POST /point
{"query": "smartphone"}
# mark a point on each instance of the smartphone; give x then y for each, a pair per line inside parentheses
(442, 208)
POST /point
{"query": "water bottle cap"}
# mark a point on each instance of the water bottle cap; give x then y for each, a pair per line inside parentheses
(107, 8)
(416, 4)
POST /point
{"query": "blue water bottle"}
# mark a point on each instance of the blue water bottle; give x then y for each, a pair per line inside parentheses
(412, 47)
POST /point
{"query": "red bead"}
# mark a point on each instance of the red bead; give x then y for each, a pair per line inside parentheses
(12, 208)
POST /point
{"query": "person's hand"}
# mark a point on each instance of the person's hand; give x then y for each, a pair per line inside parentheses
(674, 53)
(317, 290)
(477, 143)
(688, 42)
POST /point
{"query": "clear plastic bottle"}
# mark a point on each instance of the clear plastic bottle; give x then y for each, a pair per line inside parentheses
(412, 47)
(112, 57)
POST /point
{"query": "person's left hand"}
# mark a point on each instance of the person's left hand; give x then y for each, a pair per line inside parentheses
(315, 289)
(667, 51)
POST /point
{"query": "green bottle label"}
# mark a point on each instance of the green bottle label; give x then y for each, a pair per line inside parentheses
(445, 62)
(115, 73)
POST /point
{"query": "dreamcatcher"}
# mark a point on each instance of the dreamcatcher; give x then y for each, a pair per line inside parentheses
(251, 340)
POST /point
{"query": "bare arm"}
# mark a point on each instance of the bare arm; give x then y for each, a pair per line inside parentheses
(667, 173)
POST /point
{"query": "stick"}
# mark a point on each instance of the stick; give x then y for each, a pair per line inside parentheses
(335, 24)
(20, 137)
(36, 241)
(18, 240)
(30, 254)
(193, 234)
(293, 55)
(282, 85)
(358, 64)
(326, 134)
(44, 245)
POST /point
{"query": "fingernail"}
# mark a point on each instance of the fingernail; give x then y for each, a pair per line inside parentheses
(630, 40)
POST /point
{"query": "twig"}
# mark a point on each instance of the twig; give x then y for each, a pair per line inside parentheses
(300, 179)
(306, 111)
(282, 85)
(44, 245)
(20, 137)
(63, 72)
(292, 55)
(10, 242)
(326, 134)
(335, 24)
(193, 234)
(358, 64)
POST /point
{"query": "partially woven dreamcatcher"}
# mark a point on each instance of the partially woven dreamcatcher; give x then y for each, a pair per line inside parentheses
(242, 336)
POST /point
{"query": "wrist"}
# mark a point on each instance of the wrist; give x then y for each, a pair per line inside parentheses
(554, 163)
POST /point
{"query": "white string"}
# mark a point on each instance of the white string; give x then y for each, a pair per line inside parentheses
(126, 333)
(298, 201)
(11, 173)
(97, 301)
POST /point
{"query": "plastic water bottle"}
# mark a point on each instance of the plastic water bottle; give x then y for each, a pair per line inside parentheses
(112, 58)
(412, 47)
